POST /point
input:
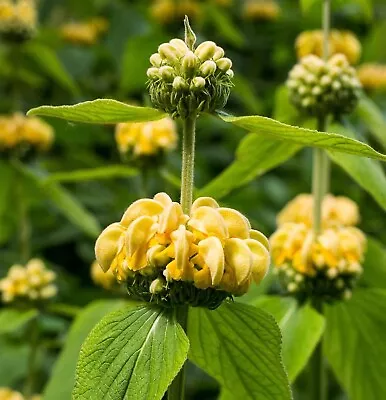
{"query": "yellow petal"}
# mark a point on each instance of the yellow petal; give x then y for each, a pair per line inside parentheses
(142, 207)
(208, 221)
(108, 245)
(171, 218)
(163, 198)
(182, 240)
(257, 235)
(212, 253)
(260, 259)
(239, 258)
(204, 201)
(202, 278)
(238, 226)
(139, 233)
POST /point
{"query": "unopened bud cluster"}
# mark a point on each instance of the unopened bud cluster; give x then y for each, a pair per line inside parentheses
(33, 282)
(372, 76)
(184, 81)
(320, 88)
(326, 266)
(18, 19)
(106, 280)
(9, 394)
(170, 258)
(146, 142)
(85, 33)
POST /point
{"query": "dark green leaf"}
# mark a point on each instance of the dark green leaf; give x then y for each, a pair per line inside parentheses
(374, 266)
(131, 354)
(62, 379)
(239, 345)
(100, 111)
(12, 319)
(109, 172)
(255, 156)
(14, 361)
(355, 343)
(367, 173)
(269, 128)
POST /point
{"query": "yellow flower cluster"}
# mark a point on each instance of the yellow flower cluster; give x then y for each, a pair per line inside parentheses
(16, 130)
(372, 76)
(85, 33)
(168, 11)
(267, 10)
(104, 279)
(33, 282)
(213, 247)
(146, 138)
(18, 19)
(336, 211)
(340, 42)
(9, 394)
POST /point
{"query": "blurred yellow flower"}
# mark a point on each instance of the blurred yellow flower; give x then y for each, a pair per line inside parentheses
(17, 130)
(32, 281)
(267, 10)
(213, 247)
(340, 42)
(372, 76)
(336, 211)
(18, 19)
(85, 33)
(168, 11)
(9, 394)
(104, 279)
(146, 138)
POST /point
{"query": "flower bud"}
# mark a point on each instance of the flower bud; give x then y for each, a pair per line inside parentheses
(167, 73)
(153, 73)
(156, 286)
(189, 62)
(198, 83)
(156, 60)
(224, 64)
(208, 68)
(230, 73)
(206, 50)
(179, 83)
(180, 45)
(219, 53)
(169, 53)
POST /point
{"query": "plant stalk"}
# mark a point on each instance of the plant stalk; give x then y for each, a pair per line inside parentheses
(24, 225)
(176, 390)
(187, 173)
(29, 388)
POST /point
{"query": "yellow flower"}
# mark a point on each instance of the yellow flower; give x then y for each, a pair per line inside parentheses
(33, 281)
(18, 19)
(167, 11)
(372, 76)
(340, 42)
(146, 138)
(267, 10)
(213, 247)
(9, 394)
(17, 130)
(336, 210)
(106, 280)
(85, 33)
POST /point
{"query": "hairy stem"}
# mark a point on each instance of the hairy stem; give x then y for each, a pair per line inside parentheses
(176, 390)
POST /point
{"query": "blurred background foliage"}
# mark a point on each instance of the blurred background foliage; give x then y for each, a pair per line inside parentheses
(55, 68)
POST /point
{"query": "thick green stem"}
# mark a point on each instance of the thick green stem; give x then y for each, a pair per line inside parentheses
(176, 390)
(326, 23)
(29, 388)
(187, 174)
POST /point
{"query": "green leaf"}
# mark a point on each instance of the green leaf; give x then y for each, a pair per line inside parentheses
(109, 172)
(372, 116)
(6, 190)
(64, 201)
(374, 266)
(355, 343)
(254, 156)
(131, 354)
(306, 5)
(62, 379)
(12, 319)
(100, 111)
(245, 93)
(295, 322)
(14, 362)
(367, 173)
(269, 128)
(50, 64)
(239, 345)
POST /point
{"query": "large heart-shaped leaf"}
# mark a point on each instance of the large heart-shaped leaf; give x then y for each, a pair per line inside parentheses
(133, 353)
(374, 266)
(62, 379)
(100, 111)
(355, 343)
(255, 156)
(239, 345)
(367, 173)
(302, 328)
(267, 127)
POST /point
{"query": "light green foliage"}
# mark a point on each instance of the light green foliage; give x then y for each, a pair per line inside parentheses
(12, 319)
(355, 343)
(239, 345)
(374, 266)
(133, 353)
